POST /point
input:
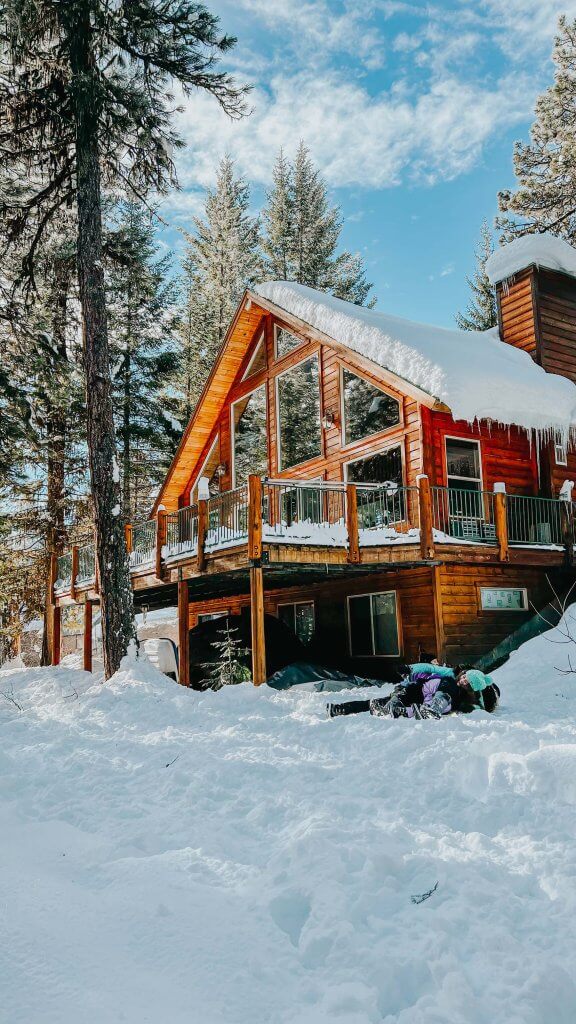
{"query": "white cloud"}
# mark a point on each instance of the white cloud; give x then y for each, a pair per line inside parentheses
(357, 138)
(525, 25)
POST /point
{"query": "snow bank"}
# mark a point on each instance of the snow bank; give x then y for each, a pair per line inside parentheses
(543, 250)
(237, 857)
(472, 372)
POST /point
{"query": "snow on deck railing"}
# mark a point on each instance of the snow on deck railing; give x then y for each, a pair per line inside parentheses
(143, 543)
(227, 515)
(304, 512)
(387, 514)
(181, 532)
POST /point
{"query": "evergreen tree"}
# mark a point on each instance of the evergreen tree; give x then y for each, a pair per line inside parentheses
(85, 103)
(142, 322)
(481, 313)
(229, 668)
(545, 168)
(302, 232)
(222, 258)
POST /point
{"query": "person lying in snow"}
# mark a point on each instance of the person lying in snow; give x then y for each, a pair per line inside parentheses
(430, 691)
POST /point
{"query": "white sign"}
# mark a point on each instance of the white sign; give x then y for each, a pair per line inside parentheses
(503, 599)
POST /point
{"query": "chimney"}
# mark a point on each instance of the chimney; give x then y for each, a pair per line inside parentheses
(535, 279)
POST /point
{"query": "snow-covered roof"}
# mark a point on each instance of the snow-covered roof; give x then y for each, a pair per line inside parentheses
(543, 250)
(474, 373)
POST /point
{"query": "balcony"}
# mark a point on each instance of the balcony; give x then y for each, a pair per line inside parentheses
(305, 521)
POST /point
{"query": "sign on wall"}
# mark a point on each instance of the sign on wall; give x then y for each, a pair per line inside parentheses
(503, 599)
(72, 619)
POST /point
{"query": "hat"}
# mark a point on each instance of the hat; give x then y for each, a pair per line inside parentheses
(478, 681)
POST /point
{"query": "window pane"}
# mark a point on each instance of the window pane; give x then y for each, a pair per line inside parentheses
(299, 413)
(285, 342)
(258, 360)
(286, 615)
(463, 459)
(360, 627)
(385, 624)
(378, 468)
(304, 622)
(366, 409)
(209, 472)
(250, 442)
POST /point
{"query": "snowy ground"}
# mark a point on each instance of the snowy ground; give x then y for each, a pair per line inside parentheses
(237, 858)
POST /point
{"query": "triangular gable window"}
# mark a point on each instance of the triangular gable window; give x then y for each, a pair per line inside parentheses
(258, 360)
(367, 409)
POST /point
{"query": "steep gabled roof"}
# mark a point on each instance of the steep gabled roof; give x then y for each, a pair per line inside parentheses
(472, 372)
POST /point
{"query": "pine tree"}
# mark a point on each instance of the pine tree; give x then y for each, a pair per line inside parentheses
(302, 232)
(142, 322)
(85, 103)
(545, 168)
(222, 258)
(481, 313)
(229, 668)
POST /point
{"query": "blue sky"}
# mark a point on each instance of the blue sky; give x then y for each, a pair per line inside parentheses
(409, 109)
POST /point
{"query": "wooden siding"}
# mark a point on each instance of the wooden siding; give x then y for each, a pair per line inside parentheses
(506, 453)
(470, 632)
(516, 311)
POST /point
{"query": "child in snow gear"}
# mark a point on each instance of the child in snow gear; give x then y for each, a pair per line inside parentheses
(430, 691)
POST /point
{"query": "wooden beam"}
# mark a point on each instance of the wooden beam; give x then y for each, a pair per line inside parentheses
(426, 518)
(352, 523)
(160, 540)
(202, 531)
(56, 635)
(88, 636)
(255, 491)
(257, 619)
(438, 614)
(128, 536)
(74, 571)
(183, 633)
(501, 524)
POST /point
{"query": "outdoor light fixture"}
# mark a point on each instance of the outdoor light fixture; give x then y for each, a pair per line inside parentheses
(328, 419)
(221, 469)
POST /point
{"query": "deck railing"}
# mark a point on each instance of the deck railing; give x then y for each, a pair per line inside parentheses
(143, 543)
(304, 511)
(538, 521)
(463, 515)
(386, 512)
(227, 518)
(86, 563)
(64, 574)
(182, 531)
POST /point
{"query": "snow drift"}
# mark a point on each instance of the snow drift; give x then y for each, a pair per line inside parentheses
(238, 857)
(472, 372)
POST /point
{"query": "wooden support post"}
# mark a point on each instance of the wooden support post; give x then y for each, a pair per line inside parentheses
(56, 635)
(183, 633)
(202, 530)
(501, 521)
(438, 614)
(255, 491)
(74, 571)
(257, 619)
(426, 519)
(352, 524)
(88, 636)
(128, 536)
(160, 541)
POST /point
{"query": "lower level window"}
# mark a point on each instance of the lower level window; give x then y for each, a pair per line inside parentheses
(300, 618)
(373, 625)
(210, 616)
(503, 599)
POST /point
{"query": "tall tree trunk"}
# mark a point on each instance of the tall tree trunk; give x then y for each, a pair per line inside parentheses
(117, 610)
(56, 454)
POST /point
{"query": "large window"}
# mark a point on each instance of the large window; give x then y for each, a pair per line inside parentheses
(367, 409)
(298, 398)
(208, 473)
(258, 359)
(300, 618)
(285, 341)
(373, 625)
(377, 469)
(249, 436)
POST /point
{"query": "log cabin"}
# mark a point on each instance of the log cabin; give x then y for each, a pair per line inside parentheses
(385, 488)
